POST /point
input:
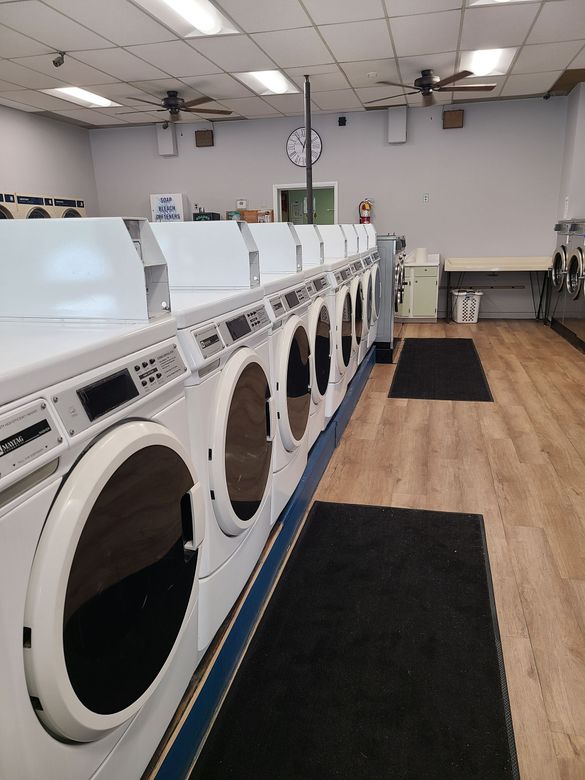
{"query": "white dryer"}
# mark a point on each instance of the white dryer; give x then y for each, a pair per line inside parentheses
(8, 207)
(287, 302)
(321, 326)
(101, 517)
(224, 330)
(34, 207)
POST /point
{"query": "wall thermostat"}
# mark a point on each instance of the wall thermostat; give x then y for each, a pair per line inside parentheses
(242, 203)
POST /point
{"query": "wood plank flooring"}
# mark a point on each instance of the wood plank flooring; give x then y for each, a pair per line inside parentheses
(521, 463)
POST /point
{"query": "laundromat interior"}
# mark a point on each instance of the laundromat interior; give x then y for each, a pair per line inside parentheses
(292, 389)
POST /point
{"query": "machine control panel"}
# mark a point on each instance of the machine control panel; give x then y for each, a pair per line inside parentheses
(248, 322)
(26, 434)
(90, 401)
(209, 341)
(368, 261)
(343, 275)
(357, 266)
(290, 300)
(375, 256)
(317, 285)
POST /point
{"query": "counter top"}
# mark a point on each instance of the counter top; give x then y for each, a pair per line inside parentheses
(496, 264)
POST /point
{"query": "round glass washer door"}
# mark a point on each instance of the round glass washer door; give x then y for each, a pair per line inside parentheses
(559, 268)
(358, 307)
(321, 343)
(71, 214)
(113, 581)
(293, 381)
(344, 327)
(368, 300)
(4, 213)
(376, 291)
(575, 268)
(38, 213)
(241, 455)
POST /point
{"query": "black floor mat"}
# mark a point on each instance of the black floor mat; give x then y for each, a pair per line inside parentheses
(377, 657)
(440, 370)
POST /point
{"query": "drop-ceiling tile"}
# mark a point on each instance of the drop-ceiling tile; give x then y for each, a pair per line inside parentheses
(160, 87)
(33, 18)
(142, 118)
(250, 107)
(425, 34)
(6, 86)
(497, 80)
(73, 72)
(118, 91)
(262, 15)
(287, 104)
(117, 20)
(219, 85)
(24, 77)
(497, 27)
(384, 95)
(562, 20)
(579, 61)
(333, 11)
(357, 72)
(408, 7)
(176, 58)
(91, 117)
(291, 48)
(14, 44)
(530, 83)
(358, 40)
(339, 99)
(546, 56)
(442, 64)
(5, 101)
(39, 99)
(320, 82)
(120, 64)
(234, 53)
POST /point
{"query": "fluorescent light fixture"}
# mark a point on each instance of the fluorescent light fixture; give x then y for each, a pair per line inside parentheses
(81, 96)
(495, 2)
(190, 18)
(267, 82)
(487, 62)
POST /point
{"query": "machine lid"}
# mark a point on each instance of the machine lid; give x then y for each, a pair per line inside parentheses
(113, 581)
(293, 382)
(575, 267)
(241, 457)
(321, 344)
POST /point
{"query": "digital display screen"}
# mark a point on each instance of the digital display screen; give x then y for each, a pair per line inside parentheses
(238, 327)
(107, 394)
(292, 299)
(319, 283)
(209, 341)
(345, 274)
(24, 437)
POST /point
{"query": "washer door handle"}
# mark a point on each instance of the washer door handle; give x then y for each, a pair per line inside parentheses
(270, 422)
(193, 520)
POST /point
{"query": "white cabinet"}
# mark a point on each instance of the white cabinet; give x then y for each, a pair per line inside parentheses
(421, 292)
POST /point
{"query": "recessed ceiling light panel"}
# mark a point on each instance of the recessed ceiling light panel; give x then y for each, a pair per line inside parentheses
(487, 62)
(496, 2)
(190, 18)
(81, 96)
(267, 82)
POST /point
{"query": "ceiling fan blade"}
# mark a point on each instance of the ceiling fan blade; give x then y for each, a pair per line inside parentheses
(391, 97)
(429, 100)
(140, 100)
(219, 111)
(463, 74)
(473, 88)
(142, 111)
(197, 101)
(396, 84)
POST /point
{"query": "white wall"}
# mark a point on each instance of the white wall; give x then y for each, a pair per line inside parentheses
(493, 185)
(572, 194)
(39, 156)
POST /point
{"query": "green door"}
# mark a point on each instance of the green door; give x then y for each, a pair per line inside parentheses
(294, 206)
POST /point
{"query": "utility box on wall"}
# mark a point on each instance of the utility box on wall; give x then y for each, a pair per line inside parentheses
(166, 140)
(453, 119)
(397, 125)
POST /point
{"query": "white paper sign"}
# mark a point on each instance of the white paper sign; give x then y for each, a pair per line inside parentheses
(167, 208)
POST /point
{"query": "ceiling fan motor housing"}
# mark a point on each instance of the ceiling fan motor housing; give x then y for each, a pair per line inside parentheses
(426, 82)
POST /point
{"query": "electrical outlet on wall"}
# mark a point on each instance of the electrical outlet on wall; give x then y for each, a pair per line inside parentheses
(426, 197)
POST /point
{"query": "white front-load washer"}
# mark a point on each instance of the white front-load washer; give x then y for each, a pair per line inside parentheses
(101, 512)
(224, 331)
(287, 302)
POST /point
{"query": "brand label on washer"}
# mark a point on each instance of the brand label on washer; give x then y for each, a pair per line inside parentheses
(26, 434)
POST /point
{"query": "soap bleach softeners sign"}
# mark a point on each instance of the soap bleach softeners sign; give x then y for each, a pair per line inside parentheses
(168, 208)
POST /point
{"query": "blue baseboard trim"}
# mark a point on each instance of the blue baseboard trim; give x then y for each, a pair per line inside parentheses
(180, 757)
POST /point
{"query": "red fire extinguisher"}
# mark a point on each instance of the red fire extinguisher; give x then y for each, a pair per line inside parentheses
(365, 209)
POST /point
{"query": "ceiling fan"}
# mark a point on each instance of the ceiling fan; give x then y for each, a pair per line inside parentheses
(428, 83)
(174, 104)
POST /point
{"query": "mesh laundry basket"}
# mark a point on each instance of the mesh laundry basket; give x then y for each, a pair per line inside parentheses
(466, 305)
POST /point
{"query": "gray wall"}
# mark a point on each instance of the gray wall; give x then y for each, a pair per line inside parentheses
(44, 157)
(572, 194)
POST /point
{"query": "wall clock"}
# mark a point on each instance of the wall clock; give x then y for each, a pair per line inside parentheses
(296, 147)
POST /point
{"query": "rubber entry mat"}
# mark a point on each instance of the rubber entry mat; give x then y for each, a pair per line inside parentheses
(377, 657)
(440, 370)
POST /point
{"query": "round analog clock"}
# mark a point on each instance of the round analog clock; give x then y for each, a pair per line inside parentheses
(296, 147)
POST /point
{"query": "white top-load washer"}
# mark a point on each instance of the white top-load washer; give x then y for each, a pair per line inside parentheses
(375, 285)
(340, 274)
(101, 514)
(224, 330)
(321, 326)
(287, 302)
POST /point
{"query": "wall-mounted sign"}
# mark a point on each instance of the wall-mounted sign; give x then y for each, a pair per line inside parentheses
(169, 208)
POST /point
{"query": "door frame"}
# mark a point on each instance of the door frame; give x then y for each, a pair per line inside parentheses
(317, 185)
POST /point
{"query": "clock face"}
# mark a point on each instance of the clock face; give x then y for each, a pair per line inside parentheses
(296, 147)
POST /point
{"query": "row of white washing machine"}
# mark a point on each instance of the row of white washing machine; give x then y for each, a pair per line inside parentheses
(39, 207)
(161, 388)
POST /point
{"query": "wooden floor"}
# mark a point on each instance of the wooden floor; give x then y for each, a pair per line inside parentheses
(520, 462)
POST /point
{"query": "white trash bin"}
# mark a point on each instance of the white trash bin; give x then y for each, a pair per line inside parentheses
(466, 305)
